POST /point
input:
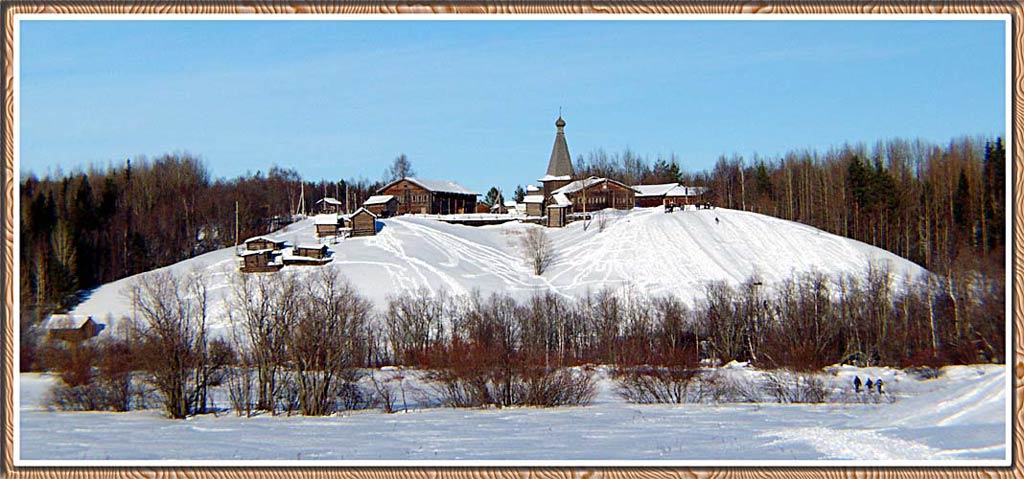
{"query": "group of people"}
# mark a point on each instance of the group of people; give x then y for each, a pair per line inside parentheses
(877, 385)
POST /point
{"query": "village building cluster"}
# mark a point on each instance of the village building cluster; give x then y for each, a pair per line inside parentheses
(562, 197)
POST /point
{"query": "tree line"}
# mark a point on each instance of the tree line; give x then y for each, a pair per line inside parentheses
(940, 206)
(302, 342)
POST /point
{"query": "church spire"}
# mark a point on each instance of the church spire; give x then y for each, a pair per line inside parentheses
(560, 163)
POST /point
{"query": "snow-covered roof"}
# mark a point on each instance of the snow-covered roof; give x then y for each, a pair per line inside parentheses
(261, 238)
(532, 188)
(330, 201)
(327, 219)
(668, 189)
(356, 212)
(309, 246)
(437, 186)
(561, 200)
(256, 251)
(65, 321)
(533, 199)
(510, 204)
(554, 178)
(378, 200)
(587, 183)
(654, 190)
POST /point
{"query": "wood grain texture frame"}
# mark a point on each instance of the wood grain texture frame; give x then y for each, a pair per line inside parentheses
(11, 8)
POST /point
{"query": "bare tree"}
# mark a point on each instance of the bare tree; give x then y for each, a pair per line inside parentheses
(400, 168)
(171, 321)
(538, 249)
(325, 341)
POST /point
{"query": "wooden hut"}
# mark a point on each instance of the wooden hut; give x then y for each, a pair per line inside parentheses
(262, 261)
(327, 225)
(435, 197)
(261, 243)
(311, 255)
(328, 205)
(364, 223)
(384, 206)
(534, 205)
(71, 329)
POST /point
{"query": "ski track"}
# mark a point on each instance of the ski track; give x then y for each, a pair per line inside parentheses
(856, 444)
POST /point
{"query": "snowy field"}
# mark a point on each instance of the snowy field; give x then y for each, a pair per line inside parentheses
(960, 417)
(640, 250)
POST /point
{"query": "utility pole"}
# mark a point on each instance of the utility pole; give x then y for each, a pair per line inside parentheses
(236, 224)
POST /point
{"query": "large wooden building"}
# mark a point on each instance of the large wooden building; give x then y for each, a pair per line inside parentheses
(668, 194)
(593, 194)
(435, 197)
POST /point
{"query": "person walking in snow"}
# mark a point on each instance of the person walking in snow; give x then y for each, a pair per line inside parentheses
(878, 384)
(856, 384)
(868, 384)
(716, 220)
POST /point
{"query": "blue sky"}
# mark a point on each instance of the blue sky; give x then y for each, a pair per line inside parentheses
(476, 101)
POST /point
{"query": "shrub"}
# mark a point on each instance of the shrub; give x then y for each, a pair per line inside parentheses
(797, 388)
(661, 384)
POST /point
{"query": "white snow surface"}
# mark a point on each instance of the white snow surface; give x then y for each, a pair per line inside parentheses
(642, 250)
(956, 419)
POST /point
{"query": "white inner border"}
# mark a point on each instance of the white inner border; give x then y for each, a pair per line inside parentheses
(1007, 136)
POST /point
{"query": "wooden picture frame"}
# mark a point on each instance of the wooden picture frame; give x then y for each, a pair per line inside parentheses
(11, 8)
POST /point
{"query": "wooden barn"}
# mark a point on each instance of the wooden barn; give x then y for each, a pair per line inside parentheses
(668, 194)
(310, 255)
(557, 216)
(384, 206)
(261, 243)
(593, 194)
(72, 329)
(262, 261)
(328, 225)
(364, 223)
(328, 205)
(435, 197)
(534, 205)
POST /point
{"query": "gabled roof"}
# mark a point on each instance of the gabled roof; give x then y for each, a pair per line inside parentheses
(66, 321)
(310, 246)
(587, 183)
(560, 163)
(510, 204)
(329, 200)
(262, 238)
(255, 252)
(362, 210)
(436, 186)
(532, 188)
(561, 200)
(668, 189)
(654, 190)
(533, 199)
(378, 200)
(327, 219)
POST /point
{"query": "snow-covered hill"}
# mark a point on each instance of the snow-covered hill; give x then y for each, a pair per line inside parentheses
(640, 250)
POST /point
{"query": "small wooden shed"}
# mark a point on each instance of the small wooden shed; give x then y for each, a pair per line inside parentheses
(309, 255)
(63, 328)
(262, 261)
(384, 206)
(364, 223)
(261, 243)
(327, 225)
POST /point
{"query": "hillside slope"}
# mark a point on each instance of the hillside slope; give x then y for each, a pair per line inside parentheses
(640, 250)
